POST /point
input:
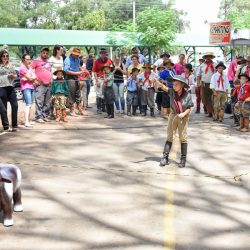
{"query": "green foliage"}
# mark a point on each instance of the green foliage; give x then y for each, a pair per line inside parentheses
(236, 11)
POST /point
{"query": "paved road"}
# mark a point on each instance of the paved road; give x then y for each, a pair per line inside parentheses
(96, 184)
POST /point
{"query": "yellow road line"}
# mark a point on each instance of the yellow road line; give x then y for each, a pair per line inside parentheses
(169, 232)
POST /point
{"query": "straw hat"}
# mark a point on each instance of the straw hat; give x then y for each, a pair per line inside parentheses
(208, 54)
(59, 70)
(75, 51)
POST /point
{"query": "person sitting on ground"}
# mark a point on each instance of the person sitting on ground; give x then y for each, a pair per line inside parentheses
(133, 88)
(59, 93)
(109, 95)
(244, 102)
(28, 82)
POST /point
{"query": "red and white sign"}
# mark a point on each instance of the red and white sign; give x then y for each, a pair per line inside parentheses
(220, 33)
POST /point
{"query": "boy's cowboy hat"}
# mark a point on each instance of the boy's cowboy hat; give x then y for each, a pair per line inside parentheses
(220, 64)
(161, 66)
(59, 70)
(75, 51)
(147, 65)
(245, 75)
(208, 54)
(182, 80)
(106, 66)
(169, 61)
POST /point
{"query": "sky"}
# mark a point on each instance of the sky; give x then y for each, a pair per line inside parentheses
(197, 12)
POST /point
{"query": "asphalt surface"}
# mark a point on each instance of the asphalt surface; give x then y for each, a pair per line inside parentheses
(96, 184)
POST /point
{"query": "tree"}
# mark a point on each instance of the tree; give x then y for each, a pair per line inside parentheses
(236, 11)
(8, 13)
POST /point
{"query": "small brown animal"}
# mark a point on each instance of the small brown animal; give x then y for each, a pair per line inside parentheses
(10, 189)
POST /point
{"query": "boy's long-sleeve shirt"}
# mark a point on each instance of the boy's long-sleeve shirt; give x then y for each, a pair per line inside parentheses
(59, 87)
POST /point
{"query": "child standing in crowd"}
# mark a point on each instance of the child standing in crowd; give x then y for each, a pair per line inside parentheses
(132, 94)
(83, 78)
(220, 87)
(109, 96)
(166, 75)
(59, 92)
(244, 102)
(146, 80)
(234, 98)
(158, 99)
(27, 81)
(188, 75)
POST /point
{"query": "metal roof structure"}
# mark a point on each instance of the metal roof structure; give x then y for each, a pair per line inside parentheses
(41, 37)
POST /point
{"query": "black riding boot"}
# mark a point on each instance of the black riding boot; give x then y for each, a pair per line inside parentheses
(103, 105)
(182, 164)
(112, 110)
(144, 112)
(134, 110)
(129, 110)
(152, 112)
(99, 105)
(164, 160)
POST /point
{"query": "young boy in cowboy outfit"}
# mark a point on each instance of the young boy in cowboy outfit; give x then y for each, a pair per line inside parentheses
(207, 69)
(133, 88)
(146, 80)
(59, 92)
(220, 87)
(244, 102)
(108, 91)
(181, 103)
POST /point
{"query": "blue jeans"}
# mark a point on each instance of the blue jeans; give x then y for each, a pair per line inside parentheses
(119, 95)
(28, 96)
(88, 82)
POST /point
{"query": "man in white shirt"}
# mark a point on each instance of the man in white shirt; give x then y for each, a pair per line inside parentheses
(220, 87)
(207, 69)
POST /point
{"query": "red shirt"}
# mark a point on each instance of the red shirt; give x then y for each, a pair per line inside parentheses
(244, 92)
(98, 64)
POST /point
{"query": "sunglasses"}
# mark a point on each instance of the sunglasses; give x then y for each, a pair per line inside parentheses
(6, 56)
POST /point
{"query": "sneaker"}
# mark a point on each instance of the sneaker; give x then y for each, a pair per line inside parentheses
(46, 119)
(40, 120)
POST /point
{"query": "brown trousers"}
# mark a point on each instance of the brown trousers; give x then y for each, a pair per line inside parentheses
(207, 97)
(174, 123)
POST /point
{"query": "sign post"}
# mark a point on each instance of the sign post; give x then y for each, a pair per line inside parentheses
(220, 33)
